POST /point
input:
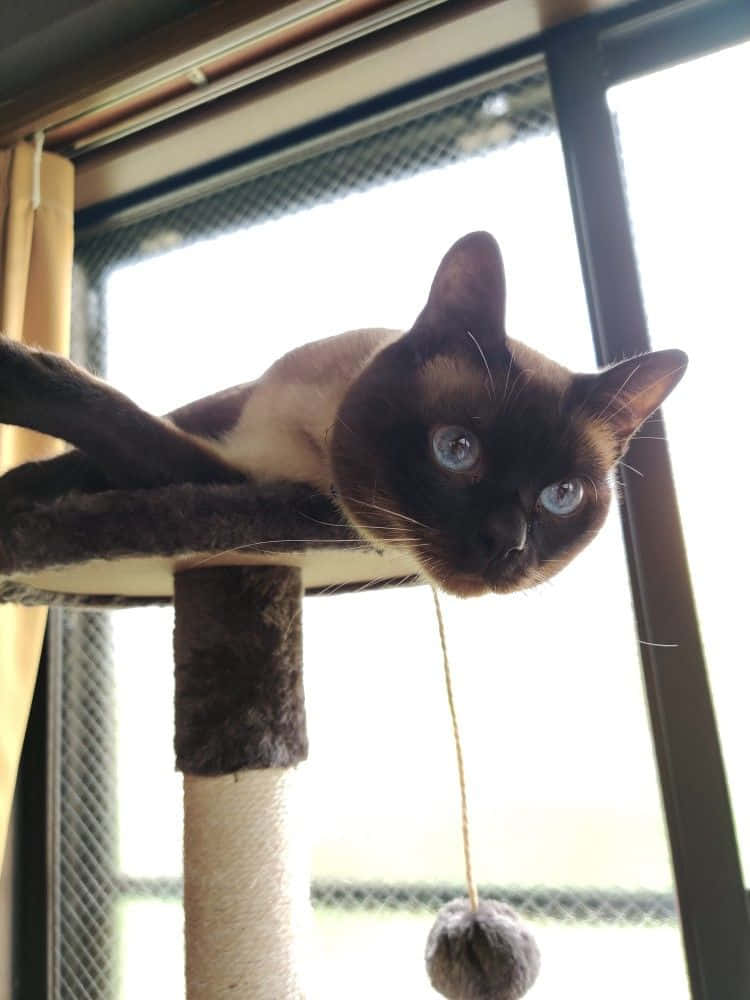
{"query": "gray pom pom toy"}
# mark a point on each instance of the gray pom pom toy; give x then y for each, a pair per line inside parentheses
(482, 954)
(477, 949)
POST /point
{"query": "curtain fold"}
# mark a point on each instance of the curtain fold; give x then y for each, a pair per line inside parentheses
(36, 260)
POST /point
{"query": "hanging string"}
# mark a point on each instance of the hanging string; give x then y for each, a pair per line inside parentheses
(36, 181)
(471, 887)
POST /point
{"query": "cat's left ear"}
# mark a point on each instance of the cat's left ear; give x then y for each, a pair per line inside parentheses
(467, 294)
(626, 394)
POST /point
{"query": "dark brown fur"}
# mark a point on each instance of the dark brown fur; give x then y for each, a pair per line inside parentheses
(215, 415)
(356, 413)
(537, 423)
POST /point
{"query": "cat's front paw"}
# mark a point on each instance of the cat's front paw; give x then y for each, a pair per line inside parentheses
(20, 489)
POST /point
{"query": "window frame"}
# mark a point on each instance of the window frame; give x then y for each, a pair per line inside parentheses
(584, 58)
(712, 901)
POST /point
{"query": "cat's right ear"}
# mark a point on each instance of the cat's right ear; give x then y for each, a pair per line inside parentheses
(626, 394)
(467, 295)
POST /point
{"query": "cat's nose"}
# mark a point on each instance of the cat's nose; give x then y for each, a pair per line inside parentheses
(504, 534)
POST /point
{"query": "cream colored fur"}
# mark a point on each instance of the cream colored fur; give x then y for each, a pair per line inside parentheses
(283, 428)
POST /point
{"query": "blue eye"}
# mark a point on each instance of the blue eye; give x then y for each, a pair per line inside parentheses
(455, 448)
(562, 498)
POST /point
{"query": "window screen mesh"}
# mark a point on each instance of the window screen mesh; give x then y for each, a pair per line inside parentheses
(91, 921)
(84, 871)
(475, 126)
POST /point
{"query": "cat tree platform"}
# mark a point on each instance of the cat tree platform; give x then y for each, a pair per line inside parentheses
(122, 548)
(235, 560)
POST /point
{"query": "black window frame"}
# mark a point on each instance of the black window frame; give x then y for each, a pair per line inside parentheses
(584, 59)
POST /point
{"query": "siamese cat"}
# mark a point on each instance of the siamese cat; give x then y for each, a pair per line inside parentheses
(489, 463)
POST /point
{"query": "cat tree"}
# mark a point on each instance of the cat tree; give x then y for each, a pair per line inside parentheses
(235, 559)
(236, 562)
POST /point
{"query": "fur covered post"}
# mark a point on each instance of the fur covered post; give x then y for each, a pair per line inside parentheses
(240, 731)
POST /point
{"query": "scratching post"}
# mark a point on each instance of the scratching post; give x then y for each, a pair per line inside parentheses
(240, 731)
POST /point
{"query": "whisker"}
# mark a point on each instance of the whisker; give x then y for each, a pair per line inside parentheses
(633, 469)
(507, 375)
(332, 588)
(388, 527)
(344, 424)
(508, 397)
(482, 356)
(382, 579)
(292, 622)
(648, 388)
(351, 544)
(593, 487)
(524, 371)
(393, 513)
(610, 401)
(326, 524)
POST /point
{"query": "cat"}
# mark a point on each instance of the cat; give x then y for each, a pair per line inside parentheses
(489, 463)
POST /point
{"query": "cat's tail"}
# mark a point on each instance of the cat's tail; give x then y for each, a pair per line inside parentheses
(123, 445)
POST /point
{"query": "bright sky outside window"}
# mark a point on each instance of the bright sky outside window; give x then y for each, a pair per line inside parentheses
(686, 154)
(562, 781)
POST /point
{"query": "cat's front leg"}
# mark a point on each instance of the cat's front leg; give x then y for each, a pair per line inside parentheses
(46, 480)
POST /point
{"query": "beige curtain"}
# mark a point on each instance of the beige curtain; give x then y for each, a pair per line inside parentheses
(36, 259)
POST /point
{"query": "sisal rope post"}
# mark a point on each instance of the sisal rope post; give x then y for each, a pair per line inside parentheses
(240, 732)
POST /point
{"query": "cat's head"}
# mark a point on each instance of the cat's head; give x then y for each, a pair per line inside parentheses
(485, 459)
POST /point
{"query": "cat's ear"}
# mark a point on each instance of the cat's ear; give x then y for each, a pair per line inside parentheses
(468, 293)
(624, 395)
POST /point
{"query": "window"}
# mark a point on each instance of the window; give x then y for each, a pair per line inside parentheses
(570, 829)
